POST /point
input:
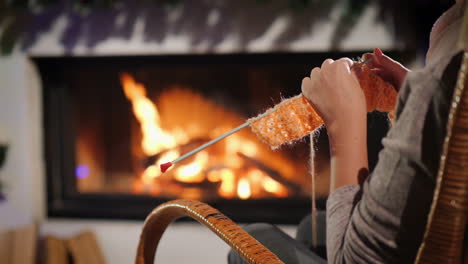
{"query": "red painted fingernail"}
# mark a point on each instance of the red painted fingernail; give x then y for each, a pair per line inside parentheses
(378, 52)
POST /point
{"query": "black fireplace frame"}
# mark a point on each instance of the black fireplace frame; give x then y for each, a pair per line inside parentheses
(63, 200)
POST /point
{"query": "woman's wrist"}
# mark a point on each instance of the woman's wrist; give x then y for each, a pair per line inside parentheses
(348, 150)
(347, 127)
(348, 139)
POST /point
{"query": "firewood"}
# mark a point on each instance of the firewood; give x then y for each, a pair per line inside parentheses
(19, 246)
(84, 249)
(55, 250)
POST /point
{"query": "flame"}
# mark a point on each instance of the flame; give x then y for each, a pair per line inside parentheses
(274, 187)
(155, 139)
(267, 183)
(150, 174)
(215, 175)
(228, 182)
(235, 145)
(243, 189)
(193, 171)
(232, 174)
(256, 175)
(154, 171)
(271, 185)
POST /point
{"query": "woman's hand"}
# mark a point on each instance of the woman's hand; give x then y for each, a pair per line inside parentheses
(387, 68)
(335, 93)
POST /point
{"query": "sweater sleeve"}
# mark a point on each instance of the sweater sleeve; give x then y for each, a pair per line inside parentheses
(340, 205)
(384, 220)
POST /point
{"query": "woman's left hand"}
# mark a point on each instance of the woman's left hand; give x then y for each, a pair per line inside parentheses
(336, 95)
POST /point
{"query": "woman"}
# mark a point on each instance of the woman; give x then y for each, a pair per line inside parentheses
(382, 220)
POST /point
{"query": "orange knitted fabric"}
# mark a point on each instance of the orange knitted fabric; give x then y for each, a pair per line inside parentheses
(295, 117)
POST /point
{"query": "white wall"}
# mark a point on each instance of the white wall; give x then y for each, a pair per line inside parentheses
(20, 121)
(20, 124)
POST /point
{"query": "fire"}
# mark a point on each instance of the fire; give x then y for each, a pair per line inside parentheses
(150, 173)
(243, 189)
(236, 144)
(230, 167)
(271, 185)
(155, 139)
(193, 171)
(215, 175)
(228, 184)
(154, 171)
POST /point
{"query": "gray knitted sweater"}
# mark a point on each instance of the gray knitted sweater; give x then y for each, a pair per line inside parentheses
(384, 220)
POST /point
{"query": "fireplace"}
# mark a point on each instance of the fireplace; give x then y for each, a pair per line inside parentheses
(110, 121)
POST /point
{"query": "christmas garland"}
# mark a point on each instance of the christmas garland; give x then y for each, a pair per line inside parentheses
(16, 15)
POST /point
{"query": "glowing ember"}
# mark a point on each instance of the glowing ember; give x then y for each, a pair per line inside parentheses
(243, 189)
(150, 174)
(214, 176)
(192, 171)
(271, 185)
(228, 182)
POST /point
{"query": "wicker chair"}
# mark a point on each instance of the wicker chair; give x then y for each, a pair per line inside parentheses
(445, 232)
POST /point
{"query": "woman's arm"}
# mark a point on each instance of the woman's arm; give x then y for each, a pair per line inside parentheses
(344, 112)
(335, 93)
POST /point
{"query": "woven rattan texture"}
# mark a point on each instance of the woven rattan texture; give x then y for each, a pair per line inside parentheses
(443, 240)
(158, 220)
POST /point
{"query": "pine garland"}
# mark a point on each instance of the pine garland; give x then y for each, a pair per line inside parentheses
(16, 15)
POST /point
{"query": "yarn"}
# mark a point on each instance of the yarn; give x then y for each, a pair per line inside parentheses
(295, 117)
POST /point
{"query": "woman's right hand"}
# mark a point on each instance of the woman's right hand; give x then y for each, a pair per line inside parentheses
(387, 68)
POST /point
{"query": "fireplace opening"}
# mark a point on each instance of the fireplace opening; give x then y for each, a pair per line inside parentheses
(179, 120)
(111, 121)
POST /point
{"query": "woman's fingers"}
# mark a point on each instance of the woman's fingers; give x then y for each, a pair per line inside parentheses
(305, 87)
(315, 70)
(388, 62)
(347, 61)
(314, 75)
(327, 63)
(308, 83)
(387, 68)
(378, 52)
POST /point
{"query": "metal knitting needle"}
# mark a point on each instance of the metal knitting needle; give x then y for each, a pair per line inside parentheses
(165, 166)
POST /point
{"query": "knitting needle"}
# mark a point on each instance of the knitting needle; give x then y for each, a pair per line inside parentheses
(165, 166)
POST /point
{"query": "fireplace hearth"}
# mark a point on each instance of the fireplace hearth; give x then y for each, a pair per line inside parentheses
(110, 121)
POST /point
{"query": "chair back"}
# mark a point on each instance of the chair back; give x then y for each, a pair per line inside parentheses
(446, 226)
(237, 238)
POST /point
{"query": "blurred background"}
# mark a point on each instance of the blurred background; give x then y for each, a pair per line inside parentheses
(90, 88)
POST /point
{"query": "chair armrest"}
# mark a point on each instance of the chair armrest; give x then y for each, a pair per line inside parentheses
(238, 239)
